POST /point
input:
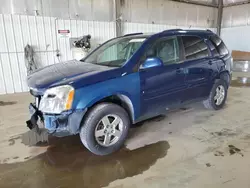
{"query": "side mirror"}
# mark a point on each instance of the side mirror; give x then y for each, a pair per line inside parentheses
(151, 62)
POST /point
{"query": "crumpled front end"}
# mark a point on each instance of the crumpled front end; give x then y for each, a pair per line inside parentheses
(64, 124)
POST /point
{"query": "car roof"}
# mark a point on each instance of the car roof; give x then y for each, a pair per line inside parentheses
(173, 31)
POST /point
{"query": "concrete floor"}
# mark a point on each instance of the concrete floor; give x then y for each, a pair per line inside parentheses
(190, 147)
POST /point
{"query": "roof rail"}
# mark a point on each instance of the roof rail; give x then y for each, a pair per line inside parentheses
(171, 30)
(209, 30)
(131, 34)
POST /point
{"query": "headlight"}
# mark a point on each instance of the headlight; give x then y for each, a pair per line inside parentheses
(57, 99)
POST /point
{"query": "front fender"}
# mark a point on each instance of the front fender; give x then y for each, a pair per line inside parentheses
(128, 86)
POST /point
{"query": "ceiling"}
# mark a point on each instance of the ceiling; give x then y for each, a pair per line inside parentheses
(226, 2)
(215, 2)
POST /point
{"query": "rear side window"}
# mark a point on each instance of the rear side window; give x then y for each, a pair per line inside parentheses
(195, 47)
(220, 47)
(214, 50)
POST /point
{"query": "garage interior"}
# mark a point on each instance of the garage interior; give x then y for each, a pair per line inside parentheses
(188, 147)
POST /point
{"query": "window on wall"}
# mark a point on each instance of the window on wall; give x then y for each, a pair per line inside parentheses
(166, 49)
(195, 47)
(220, 47)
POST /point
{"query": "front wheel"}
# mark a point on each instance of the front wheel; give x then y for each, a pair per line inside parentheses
(105, 129)
(217, 96)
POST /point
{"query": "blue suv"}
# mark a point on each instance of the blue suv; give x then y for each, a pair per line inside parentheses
(126, 80)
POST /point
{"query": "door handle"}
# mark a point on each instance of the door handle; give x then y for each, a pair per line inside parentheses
(180, 71)
(210, 62)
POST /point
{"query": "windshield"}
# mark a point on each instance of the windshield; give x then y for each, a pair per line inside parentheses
(116, 52)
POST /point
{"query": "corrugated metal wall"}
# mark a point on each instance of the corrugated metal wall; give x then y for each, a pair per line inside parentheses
(149, 28)
(36, 22)
(168, 12)
(136, 11)
(236, 16)
(41, 32)
(101, 10)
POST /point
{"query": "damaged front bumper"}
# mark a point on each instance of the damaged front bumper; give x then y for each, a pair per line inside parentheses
(64, 124)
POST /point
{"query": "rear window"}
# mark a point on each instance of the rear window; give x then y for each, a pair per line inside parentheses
(220, 47)
(195, 47)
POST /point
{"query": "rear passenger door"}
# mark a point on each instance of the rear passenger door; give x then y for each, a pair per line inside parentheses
(200, 67)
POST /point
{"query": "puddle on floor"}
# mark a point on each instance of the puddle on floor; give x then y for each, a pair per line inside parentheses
(3, 103)
(66, 163)
(150, 120)
(31, 138)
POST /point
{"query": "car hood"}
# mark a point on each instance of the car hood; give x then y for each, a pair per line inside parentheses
(70, 72)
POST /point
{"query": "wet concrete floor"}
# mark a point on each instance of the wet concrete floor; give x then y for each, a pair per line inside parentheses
(240, 82)
(66, 163)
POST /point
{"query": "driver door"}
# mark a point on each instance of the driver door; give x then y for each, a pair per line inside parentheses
(163, 86)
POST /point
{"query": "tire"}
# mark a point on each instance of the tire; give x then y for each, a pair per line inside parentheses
(95, 119)
(211, 103)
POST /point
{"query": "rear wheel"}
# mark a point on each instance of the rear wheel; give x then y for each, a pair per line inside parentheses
(105, 129)
(218, 96)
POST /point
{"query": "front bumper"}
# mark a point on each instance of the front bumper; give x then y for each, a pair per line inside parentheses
(64, 124)
(35, 116)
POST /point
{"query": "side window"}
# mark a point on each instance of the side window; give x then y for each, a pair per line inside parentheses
(214, 50)
(167, 49)
(219, 45)
(195, 47)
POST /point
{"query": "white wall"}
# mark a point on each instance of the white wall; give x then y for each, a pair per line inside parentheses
(101, 10)
(236, 16)
(237, 38)
(135, 11)
(169, 13)
(152, 28)
(236, 27)
(41, 33)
